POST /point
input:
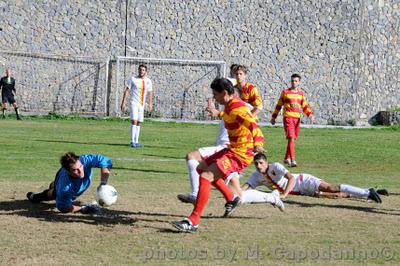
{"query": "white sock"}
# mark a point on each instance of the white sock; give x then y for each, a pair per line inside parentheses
(137, 134)
(133, 133)
(354, 191)
(194, 177)
(255, 196)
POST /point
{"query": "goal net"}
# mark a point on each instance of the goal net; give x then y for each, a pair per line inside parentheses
(180, 87)
(56, 83)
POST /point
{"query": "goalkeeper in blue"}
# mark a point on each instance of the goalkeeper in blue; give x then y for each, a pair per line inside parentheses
(72, 180)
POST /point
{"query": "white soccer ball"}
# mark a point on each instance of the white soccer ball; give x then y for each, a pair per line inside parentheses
(106, 195)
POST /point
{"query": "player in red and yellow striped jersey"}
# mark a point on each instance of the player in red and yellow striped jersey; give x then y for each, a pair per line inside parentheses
(292, 100)
(248, 92)
(245, 138)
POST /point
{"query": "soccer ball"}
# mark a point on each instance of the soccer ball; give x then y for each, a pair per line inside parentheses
(106, 195)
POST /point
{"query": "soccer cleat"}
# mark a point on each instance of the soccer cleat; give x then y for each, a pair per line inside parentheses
(374, 196)
(185, 226)
(133, 144)
(230, 206)
(139, 145)
(382, 191)
(293, 164)
(287, 161)
(30, 195)
(278, 202)
(187, 198)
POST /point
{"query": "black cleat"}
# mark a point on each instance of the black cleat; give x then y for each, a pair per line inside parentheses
(30, 197)
(230, 206)
(382, 191)
(374, 196)
(185, 226)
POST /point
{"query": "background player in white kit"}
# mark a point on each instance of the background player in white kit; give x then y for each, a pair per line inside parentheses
(140, 88)
(276, 176)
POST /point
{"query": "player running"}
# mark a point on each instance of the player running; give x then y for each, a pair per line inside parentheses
(276, 176)
(7, 85)
(72, 180)
(293, 101)
(245, 137)
(141, 88)
(194, 158)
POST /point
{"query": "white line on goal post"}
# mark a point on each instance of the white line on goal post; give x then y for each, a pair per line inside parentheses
(161, 60)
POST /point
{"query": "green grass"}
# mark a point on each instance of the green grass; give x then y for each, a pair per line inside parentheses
(137, 231)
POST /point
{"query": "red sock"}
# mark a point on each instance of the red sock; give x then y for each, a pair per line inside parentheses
(224, 189)
(287, 155)
(201, 201)
(291, 147)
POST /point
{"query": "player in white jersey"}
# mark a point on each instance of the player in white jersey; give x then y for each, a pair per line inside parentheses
(276, 176)
(140, 88)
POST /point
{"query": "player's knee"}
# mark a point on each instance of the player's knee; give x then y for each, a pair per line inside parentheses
(333, 188)
(194, 155)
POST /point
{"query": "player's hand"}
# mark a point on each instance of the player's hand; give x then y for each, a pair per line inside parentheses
(211, 103)
(272, 121)
(213, 112)
(90, 208)
(258, 149)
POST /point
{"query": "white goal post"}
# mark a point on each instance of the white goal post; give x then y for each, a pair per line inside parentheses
(180, 85)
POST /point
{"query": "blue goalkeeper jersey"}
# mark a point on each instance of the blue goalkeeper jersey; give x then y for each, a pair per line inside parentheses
(68, 189)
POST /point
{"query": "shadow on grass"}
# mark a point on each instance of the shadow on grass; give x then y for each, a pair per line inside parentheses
(47, 212)
(348, 207)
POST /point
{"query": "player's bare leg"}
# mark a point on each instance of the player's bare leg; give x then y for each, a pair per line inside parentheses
(16, 111)
(4, 109)
(352, 191)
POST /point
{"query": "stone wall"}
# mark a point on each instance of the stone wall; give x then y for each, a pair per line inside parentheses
(346, 51)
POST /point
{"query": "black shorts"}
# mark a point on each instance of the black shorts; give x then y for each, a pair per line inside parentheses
(7, 98)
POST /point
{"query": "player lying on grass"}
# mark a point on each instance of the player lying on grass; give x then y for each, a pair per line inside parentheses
(245, 137)
(72, 180)
(276, 176)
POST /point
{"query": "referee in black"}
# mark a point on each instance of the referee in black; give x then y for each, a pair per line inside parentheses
(7, 85)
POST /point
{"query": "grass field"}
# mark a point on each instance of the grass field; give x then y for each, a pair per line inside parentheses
(137, 231)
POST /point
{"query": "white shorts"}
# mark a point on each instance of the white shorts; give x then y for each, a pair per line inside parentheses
(307, 184)
(206, 152)
(137, 112)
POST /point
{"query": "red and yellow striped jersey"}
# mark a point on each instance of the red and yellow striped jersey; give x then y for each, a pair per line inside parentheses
(292, 102)
(244, 133)
(250, 94)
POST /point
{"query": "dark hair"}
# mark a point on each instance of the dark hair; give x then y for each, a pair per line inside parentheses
(260, 156)
(234, 67)
(243, 68)
(222, 84)
(142, 65)
(68, 159)
(295, 76)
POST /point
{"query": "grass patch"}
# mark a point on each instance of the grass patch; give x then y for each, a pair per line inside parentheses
(137, 231)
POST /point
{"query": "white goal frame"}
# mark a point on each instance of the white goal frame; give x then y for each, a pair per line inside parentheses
(148, 60)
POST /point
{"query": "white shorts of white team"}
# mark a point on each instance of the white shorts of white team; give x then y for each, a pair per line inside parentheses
(306, 184)
(208, 151)
(137, 112)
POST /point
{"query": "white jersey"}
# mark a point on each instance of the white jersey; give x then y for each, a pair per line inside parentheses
(222, 137)
(139, 87)
(274, 179)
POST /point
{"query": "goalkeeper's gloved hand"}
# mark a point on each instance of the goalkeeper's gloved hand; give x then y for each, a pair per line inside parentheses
(90, 209)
